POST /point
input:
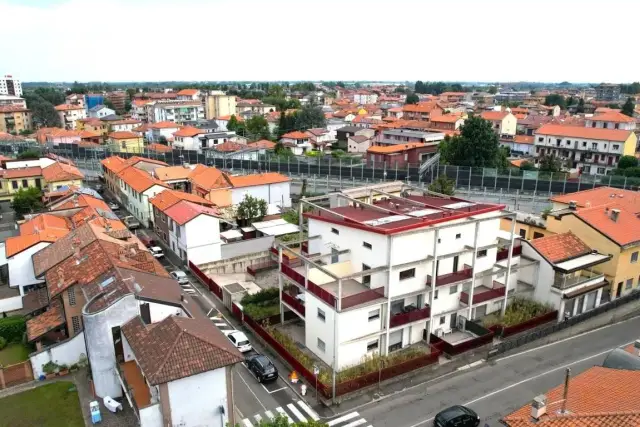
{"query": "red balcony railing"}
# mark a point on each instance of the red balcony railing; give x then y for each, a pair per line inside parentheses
(480, 297)
(504, 253)
(362, 297)
(446, 279)
(293, 303)
(412, 316)
(325, 296)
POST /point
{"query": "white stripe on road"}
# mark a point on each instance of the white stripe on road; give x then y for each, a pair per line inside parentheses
(269, 414)
(258, 418)
(297, 413)
(356, 423)
(308, 410)
(219, 324)
(247, 423)
(343, 418)
(282, 412)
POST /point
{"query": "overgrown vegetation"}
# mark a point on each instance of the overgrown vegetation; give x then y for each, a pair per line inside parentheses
(251, 209)
(27, 200)
(29, 154)
(443, 185)
(262, 304)
(12, 328)
(14, 353)
(519, 310)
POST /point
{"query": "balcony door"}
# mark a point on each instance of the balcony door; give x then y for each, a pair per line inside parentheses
(455, 263)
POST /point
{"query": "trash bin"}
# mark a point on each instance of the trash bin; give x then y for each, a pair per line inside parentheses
(94, 407)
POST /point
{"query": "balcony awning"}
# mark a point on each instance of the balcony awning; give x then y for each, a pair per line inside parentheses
(585, 290)
(581, 262)
(276, 227)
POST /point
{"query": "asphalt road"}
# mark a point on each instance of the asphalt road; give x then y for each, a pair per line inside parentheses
(495, 389)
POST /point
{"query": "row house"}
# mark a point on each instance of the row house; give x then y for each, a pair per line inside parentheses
(594, 151)
(504, 123)
(298, 142)
(127, 141)
(155, 132)
(377, 277)
(447, 122)
(69, 113)
(611, 120)
(422, 111)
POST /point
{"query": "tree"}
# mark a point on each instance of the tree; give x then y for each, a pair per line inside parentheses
(232, 124)
(443, 185)
(628, 107)
(162, 140)
(127, 106)
(131, 92)
(340, 84)
(627, 162)
(412, 98)
(527, 166)
(549, 163)
(555, 99)
(476, 146)
(251, 209)
(493, 90)
(27, 200)
(257, 127)
(282, 421)
(109, 104)
(29, 154)
(580, 107)
(309, 117)
(43, 112)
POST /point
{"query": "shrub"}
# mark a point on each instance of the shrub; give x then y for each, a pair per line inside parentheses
(3, 342)
(262, 304)
(518, 311)
(259, 312)
(12, 328)
(50, 368)
(264, 295)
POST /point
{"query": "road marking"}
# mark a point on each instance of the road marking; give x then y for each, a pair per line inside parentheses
(308, 410)
(526, 380)
(343, 418)
(356, 423)
(274, 391)
(258, 418)
(282, 412)
(254, 395)
(270, 415)
(297, 413)
(247, 423)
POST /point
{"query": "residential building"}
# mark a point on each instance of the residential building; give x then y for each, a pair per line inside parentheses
(609, 224)
(608, 92)
(611, 120)
(59, 174)
(178, 371)
(12, 100)
(93, 99)
(406, 136)
(528, 226)
(502, 122)
(455, 97)
(118, 100)
(129, 142)
(175, 111)
(482, 99)
(394, 156)
(594, 151)
(123, 125)
(449, 122)
(385, 275)
(320, 138)
(422, 111)
(564, 275)
(510, 96)
(74, 99)
(578, 401)
(12, 180)
(359, 143)
(99, 111)
(139, 110)
(365, 97)
(218, 104)
(343, 134)
(93, 124)
(254, 108)
(14, 118)
(10, 85)
(188, 95)
(272, 187)
(298, 142)
(136, 188)
(156, 131)
(69, 114)
(519, 144)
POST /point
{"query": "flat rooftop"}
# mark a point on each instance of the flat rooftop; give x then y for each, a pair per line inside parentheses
(398, 214)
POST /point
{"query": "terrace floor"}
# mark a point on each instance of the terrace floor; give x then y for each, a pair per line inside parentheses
(458, 336)
(134, 378)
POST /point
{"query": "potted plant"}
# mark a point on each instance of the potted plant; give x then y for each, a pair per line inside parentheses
(73, 368)
(63, 370)
(49, 369)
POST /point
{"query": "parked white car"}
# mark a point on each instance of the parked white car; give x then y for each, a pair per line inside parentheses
(180, 276)
(239, 340)
(156, 251)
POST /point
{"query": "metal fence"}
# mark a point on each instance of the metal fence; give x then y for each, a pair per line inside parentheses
(511, 344)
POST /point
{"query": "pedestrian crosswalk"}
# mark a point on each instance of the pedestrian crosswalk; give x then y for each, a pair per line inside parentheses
(299, 411)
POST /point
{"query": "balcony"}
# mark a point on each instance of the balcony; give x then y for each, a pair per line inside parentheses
(293, 302)
(483, 294)
(568, 281)
(134, 384)
(503, 254)
(448, 279)
(406, 317)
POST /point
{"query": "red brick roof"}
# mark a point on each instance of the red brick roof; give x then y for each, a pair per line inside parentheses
(599, 196)
(184, 211)
(139, 180)
(494, 115)
(45, 322)
(560, 247)
(612, 116)
(584, 132)
(624, 230)
(167, 198)
(598, 397)
(61, 172)
(178, 347)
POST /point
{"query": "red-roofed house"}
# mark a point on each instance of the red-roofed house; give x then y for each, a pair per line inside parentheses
(298, 142)
(422, 111)
(194, 232)
(502, 122)
(188, 95)
(136, 188)
(611, 120)
(69, 113)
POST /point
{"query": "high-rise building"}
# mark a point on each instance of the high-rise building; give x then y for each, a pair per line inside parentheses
(219, 104)
(118, 99)
(9, 85)
(608, 92)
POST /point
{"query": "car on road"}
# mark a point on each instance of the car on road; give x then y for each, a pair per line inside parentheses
(114, 206)
(147, 241)
(99, 188)
(262, 368)
(456, 416)
(156, 251)
(239, 340)
(131, 222)
(180, 276)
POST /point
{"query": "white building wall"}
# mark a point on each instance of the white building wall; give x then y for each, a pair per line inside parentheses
(354, 324)
(159, 312)
(67, 353)
(200, 238)
(276, 195)
(544, 279)
(151, 416)
(195, 401)
(21, 268)
(10, 304)
(317, 328)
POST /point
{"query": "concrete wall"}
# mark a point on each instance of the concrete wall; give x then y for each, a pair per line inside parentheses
(200, 239)
(21, 268)
(278, 194)
(151, 416)
(196, 400)
(159, 312)
(66, 352)
(245, 247)
(235, 265)
(10, 304)
(101, 352)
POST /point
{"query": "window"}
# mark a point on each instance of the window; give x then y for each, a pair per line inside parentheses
(75, 320)
(38, 183)
(321, 345)
(634, 257)
(177, 231)
(616, 147)
(522, 233)
(335, 231)
(482, 253)
(453, 290)
(629, 284)
(367, 245)
(374, 314)
(373, 345)
(584, 143)
(537, 235)
(459, 235)
(14, 185)
(540, 139)
(408, 274)
(439, 240)
(435, 294)
(594, 145)
(25, 183)
(321, 315)
(601, 171)
(71, 293)
(366, 280)
(442, 320)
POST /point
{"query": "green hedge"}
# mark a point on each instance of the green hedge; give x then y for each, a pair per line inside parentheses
(12, 328)
(263, 296)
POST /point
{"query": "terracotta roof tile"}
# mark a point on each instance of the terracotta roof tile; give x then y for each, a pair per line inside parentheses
(446, 118)
(296, 135)
(139, 180)
(189, 131)
(624, 230)
(167, 198)
(263, 143)
(12, 109)
(170, 173)
(163, 125)
(230, 147)
(159, 148)
(57, 172)
(258, 179)
(178, 347)
(16, 244)
(630, 200)
(422, 107)
(35, 300)
(612, 116)
(68, 107)
(209, 178)
(184, 211)
(21, 172)
(494, 115)
(47, 321)
(42, 222)
(123, 134)
(395, 148)
(523, 139)
(114, 163)
(560, 247)
(584, 132)
(188, 92)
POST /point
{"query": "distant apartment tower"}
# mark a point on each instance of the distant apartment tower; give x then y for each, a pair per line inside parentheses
(607, 92)
(219, 104)
(10, 86)
(118, 99)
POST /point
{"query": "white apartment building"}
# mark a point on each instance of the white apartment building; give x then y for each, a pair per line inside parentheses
(366, 274)
(611, 120)
(9, 85)
(69, 114)
(175, 111)
(365, 97)
(12, 100)
(592, 150)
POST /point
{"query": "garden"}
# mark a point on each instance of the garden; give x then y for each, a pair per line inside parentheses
(519, 310)
(12, 347)
(262, 304)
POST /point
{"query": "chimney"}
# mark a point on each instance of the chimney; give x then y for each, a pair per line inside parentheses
(76, 248)
(60, 277)
(572, 205)
(538, 407)
(107, 226)
(615, 213)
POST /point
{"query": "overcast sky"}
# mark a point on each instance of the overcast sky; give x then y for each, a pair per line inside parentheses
(471, 40)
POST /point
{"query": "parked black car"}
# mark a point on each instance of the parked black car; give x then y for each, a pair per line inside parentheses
(457, 416)
(262, 368)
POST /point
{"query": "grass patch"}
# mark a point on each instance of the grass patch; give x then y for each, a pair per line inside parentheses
(263, 304)
(519, 310)
(51, 405)
(13, 353)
